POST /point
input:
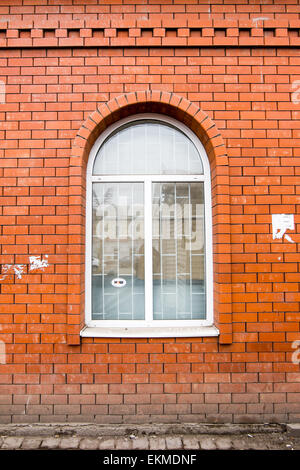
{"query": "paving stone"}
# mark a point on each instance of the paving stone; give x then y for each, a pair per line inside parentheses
(223, 443)
(140, 443)
(190, 442)
(240, 443)
(157, 443)
(89, 444)
(31, 443)
(293, 429)
(173, 442)
(12, 442)
(296, 445)
(50, 443)
(207, 443)
(69, 443)
(257, 445)
(123, 443)
(107, 444)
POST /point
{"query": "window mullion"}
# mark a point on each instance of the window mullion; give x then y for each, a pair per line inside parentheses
(148, 251)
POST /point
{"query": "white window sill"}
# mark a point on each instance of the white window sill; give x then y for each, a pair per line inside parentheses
(148, 332)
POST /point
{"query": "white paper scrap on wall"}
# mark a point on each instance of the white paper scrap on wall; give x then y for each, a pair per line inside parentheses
(35, 262)
(280, 224)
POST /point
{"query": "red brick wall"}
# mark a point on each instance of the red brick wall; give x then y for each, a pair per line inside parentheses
(67, 69)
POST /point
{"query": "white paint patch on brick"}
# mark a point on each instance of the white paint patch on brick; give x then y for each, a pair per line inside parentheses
(2, 92)
(16, 269)
(296, 92)
(259, 18)
(2, 351)
(36, 262)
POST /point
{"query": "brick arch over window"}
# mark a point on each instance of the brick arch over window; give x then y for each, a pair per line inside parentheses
(199, 122)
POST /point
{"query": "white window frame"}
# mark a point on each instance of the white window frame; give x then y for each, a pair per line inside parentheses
(149, 327)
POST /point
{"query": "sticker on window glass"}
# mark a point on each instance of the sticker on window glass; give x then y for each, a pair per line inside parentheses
(118, 282)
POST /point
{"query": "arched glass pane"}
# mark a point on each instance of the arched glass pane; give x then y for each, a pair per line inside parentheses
(145, 148)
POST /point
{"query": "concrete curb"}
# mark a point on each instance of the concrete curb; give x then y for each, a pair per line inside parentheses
(87, 436)
(98, 430)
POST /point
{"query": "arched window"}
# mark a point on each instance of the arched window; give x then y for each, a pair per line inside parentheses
(148, 231)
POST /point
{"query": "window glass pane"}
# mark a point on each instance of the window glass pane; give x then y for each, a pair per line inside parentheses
(178, 251)
(118, 251)
(147, 148)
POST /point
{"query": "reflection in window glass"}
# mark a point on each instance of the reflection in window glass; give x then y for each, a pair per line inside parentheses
(178, 251)
(118, 251)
